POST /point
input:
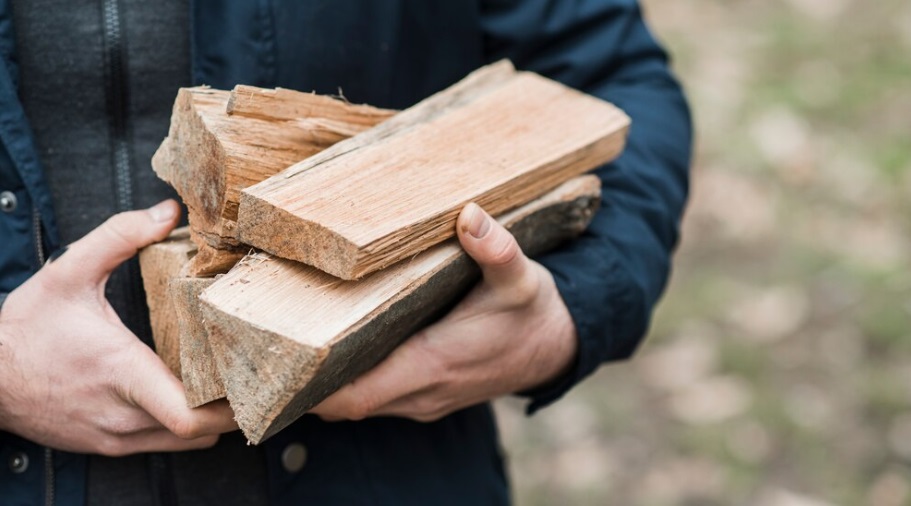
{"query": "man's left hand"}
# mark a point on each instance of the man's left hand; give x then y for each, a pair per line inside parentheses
(512, 332)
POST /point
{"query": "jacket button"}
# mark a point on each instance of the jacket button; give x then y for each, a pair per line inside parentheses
(8, 202)
(18, 463)
(294, 457)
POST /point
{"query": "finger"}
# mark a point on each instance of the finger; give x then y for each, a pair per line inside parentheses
(492, 247)
(160, 440)
(165, 441)
(407, 371)
(152, 387)
(92, 258)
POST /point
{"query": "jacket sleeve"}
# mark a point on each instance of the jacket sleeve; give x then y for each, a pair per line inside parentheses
(612, 276)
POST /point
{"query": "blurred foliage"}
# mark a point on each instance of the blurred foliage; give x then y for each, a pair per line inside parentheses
(778, 368)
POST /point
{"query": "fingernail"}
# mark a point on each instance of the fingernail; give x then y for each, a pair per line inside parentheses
(163, 211)
(478, 221)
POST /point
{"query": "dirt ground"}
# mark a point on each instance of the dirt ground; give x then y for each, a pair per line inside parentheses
(778, 368)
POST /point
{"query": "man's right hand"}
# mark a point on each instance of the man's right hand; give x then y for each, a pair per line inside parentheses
(73, 377)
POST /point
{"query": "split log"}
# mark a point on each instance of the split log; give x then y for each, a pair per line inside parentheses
(158, 263)
(198, 372)
(210, 155)
(285, 335)
(177, 329)
(499, 138)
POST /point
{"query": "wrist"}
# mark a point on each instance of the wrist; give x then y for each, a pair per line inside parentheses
(559, 342)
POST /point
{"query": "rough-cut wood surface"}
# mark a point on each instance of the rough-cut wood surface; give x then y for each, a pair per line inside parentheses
(210, 155)
(396, 190)
(211, 260)
(198, 372)
(285, 335)
(284, 104)
(159, 263)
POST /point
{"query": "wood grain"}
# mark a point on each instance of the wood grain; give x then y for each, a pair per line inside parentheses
(282, 104)
(198, 371)
(210, 155)
(500, 139)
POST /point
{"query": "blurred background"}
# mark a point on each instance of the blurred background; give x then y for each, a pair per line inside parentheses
(778, 368)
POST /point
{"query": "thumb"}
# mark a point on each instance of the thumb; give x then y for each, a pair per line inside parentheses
(494, 249)
(92, 258)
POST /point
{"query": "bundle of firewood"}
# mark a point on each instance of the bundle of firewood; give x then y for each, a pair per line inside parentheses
(322, 233)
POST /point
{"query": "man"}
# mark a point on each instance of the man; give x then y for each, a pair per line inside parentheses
(90, 415)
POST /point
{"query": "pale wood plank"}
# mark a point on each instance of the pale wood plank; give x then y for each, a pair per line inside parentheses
(385, 195)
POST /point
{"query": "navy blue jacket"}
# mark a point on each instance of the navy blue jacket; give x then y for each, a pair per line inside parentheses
(392, 54)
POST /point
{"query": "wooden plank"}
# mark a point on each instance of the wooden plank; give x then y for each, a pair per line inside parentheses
(209, 155)
(159, 263)
(388, 194)
(285, 335)
(198, 372)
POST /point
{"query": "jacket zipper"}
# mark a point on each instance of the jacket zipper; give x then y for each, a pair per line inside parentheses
(117, 95)
(49, 485)
(117, 101)
(122, 160)
(39, 242)
(49, 478)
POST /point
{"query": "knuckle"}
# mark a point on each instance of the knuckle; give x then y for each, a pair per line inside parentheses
(205, 442)
(118, 425)
(185, 428)
(526, 290)
(362, 406)
(116, 228)
(429, 416)
(122, 362)
(111, 446)
(434, 359)
(505, 250)
(428, 408)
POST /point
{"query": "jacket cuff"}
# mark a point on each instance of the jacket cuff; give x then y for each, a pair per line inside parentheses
(600, 329)
(2, 299)
(584, 363)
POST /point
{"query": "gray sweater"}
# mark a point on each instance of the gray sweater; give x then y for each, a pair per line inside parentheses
(99, 101)
(97, 82)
